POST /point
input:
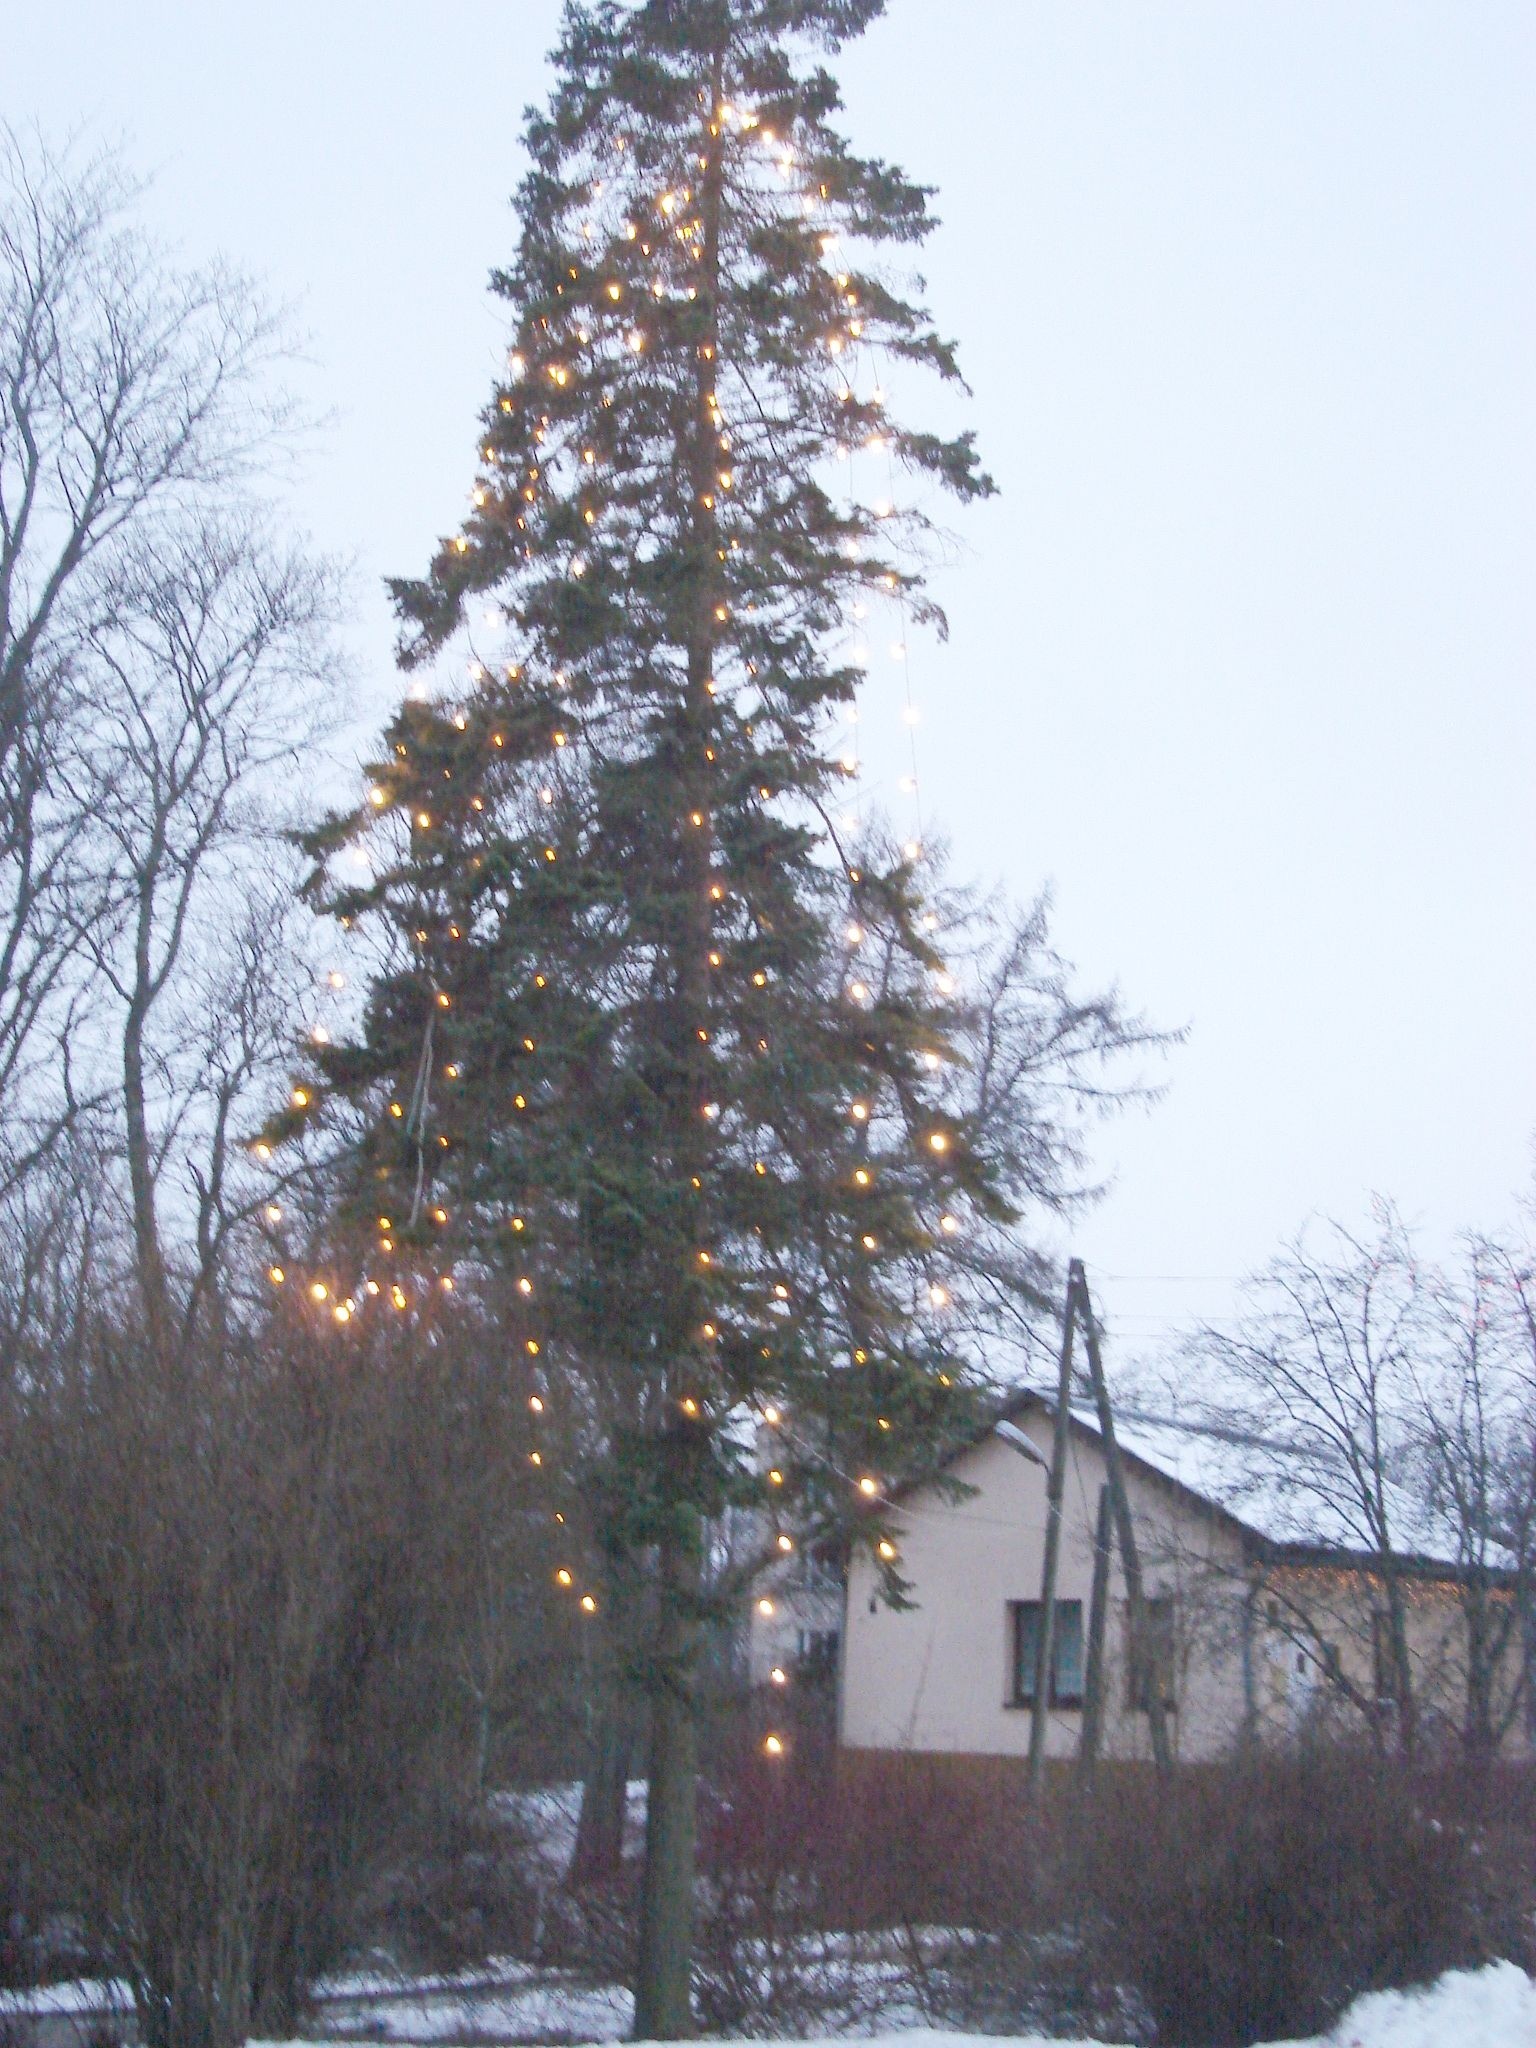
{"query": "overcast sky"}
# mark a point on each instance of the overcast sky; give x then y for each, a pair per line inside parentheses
(1241, 659)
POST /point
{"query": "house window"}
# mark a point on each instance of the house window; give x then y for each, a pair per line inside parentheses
(816, 1654)
(1152, 1659)
(1066, 1652)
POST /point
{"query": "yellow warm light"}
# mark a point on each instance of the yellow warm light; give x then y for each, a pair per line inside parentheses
(562, 1577)
(765, 1608)
(588, 1604)
(869, 1488)
(937, 1142)
(773, 1746)
(888, 1551)
(276, 1275)
(318, 1290)
(300, 1098)
(786, 1544)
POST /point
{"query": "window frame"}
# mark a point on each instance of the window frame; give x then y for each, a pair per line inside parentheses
(1018, 1697)
(1161, 1616)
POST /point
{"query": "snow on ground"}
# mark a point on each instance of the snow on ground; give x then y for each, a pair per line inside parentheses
(1490, 2008)
(77, 1998)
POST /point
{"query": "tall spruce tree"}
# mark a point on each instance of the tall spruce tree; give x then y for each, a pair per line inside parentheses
(644, 1027)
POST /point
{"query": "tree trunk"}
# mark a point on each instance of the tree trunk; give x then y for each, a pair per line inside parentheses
(663, 2006)
(598, 1856)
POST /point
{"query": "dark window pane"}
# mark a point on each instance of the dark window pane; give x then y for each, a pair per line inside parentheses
(1067, 1678)
(1066, 1652)
(1026, 1648)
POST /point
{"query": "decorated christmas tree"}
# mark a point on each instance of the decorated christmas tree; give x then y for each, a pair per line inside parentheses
(648, 1032)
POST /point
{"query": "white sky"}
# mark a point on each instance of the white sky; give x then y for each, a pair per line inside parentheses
(1241, 659)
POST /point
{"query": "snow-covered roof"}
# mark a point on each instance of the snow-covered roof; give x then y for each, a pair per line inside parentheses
(1292, 1495)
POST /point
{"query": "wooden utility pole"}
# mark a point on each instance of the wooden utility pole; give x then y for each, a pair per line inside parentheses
(1098, 1615)
(1130, 1557)
(1045, 1634)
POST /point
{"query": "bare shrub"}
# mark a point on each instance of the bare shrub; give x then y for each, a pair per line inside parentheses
(1227, 1904)
(237, 1646)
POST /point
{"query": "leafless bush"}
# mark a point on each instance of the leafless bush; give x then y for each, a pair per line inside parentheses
(1229, 1904)
(1258, 1901)
(237, 1631)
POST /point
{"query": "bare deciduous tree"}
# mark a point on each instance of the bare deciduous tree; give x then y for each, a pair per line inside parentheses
(134, 393)
(202, 668)
(1394, 1406)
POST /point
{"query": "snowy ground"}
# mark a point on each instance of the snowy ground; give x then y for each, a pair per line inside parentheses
(1492, 2008)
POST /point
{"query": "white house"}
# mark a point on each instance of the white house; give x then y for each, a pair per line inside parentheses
(1262, 1618)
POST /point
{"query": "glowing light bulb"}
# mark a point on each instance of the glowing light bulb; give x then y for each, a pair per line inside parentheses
(588, 1604)
(563, 1577)
(937, 1142)
(887, 1550)
(950, 1225)
(869, 1488)
(318, 1290)
(276, 1275)
(765, 1608)
(786, 1544)
(773, 1746)
(778, 1675)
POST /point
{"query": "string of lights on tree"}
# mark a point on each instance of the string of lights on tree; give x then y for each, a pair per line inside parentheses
(507, 817)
